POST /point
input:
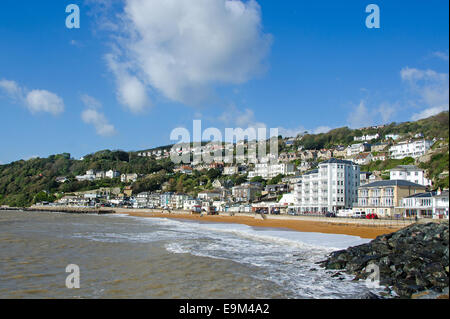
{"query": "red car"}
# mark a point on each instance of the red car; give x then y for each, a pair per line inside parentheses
(372, 216)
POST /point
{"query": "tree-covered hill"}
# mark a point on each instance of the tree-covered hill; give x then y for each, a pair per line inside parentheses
(22, 180)
(434, 126)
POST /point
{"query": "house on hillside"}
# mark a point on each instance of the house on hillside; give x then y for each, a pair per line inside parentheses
(112, 174)
(363, 158)
(382, 156)
(355, 149)
(379, 147)
(410, 148)
(128, 178)
(410, 173)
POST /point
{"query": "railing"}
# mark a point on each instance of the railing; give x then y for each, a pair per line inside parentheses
(386, 221)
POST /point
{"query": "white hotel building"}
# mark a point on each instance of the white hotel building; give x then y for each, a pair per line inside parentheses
(413, 149)
(331, 187)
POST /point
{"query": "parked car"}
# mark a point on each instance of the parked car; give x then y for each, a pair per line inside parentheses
(293, 213)
(372, 216)
(196, 209)
(359, 215)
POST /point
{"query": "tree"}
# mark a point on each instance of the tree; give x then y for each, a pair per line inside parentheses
(257, 179)
(277, 179)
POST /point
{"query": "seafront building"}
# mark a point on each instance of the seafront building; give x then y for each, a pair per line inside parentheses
(330, 187)
(246, 192)
(385, 197)
(426, 205)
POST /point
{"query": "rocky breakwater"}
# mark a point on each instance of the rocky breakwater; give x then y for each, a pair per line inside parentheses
(411, 262)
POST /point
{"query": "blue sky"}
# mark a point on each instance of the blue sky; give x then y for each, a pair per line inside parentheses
(135, 70)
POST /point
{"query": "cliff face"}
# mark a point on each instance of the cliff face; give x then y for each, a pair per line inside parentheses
(411, 260)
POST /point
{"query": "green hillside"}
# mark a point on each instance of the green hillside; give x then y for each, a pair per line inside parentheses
(24, 182)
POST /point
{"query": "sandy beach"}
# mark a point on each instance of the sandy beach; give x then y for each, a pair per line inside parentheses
(369, 232)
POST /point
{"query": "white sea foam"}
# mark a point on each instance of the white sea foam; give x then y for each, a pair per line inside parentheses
(284, 257)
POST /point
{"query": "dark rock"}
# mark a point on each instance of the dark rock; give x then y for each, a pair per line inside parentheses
(410, 260)
(371, 295)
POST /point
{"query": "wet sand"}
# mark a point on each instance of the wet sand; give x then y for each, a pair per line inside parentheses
(291, 224)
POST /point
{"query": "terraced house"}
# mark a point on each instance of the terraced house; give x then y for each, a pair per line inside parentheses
(384, 198)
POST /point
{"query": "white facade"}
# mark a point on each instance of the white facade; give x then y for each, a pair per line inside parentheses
(440, 205)
(363, 159)
(410, 173)
(355, 149)
(333, 186)
(177, 201)
(427, 205)
(366, 137)
(112, 174)
(412, 149)
(125, 178)
(230, 170)
(209, 195)
(266, 170)
(190, 203)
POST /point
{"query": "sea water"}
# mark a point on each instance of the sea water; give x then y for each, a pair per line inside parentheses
(133, 257)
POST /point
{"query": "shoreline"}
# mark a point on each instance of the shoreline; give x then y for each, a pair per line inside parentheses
(367, 232)
(367, 229)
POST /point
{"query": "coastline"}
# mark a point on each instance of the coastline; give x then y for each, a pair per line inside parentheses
(368, 229)
(367, 232)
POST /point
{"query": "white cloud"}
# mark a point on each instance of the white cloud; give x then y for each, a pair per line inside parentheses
(76, 43)
(288, 132)
(90, 101)
(183, 48)
(387, 110)
(413, 75)
(441, 55)
(26, 158)
(364, 114)
(242, 119)
(131, 92)
(93, 116)
(44, 101)
(99, 121)
(11, 88)
(321, 129)
(429, 112)
(35, 100)
(359, 117)
(246, 118)
(430, 89)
